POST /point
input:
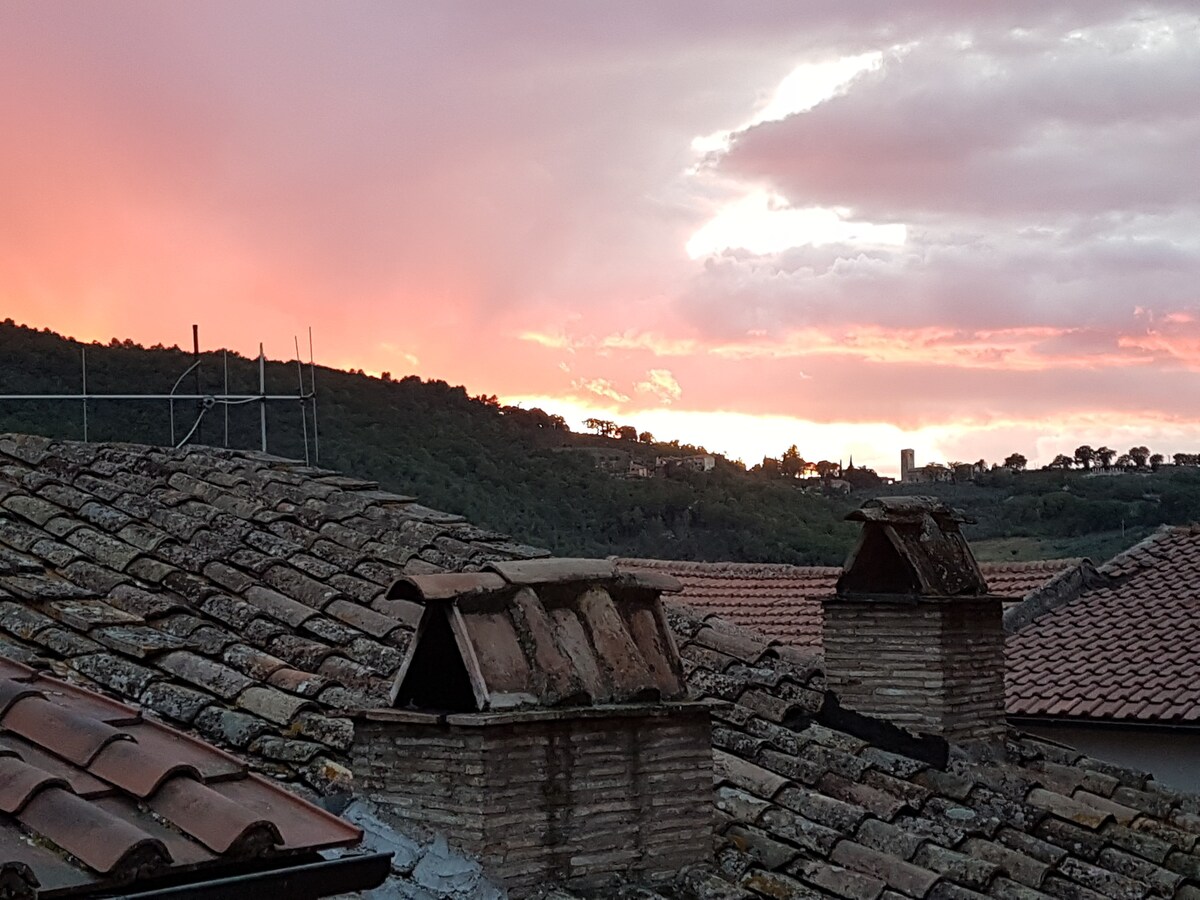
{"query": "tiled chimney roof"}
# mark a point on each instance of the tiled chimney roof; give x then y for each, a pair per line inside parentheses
(546, 633)
(911, 546)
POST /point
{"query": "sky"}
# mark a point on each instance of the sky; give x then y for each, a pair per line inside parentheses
(969, 229)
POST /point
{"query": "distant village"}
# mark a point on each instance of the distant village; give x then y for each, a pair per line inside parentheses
(826, 476)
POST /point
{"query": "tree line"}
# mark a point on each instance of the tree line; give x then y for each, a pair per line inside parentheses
(1087, 458)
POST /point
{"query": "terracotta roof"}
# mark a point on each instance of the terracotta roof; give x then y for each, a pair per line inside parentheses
(236, 594)
(538, 633)
(816, 801)
(1143, 613)
(783, 601)
(780, 600)
(94, 796)
(243, 596)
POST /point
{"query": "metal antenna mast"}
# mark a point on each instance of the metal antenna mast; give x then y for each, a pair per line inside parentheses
(303, 414)
(205, 401)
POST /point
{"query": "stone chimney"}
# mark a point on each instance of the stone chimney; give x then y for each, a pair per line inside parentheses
(540, 723)
(908, 462)
(912, 635)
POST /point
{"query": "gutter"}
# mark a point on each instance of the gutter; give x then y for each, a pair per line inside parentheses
(325, 878)
(1018, 721)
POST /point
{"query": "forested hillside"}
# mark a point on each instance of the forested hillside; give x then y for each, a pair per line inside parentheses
(505, 469)
(498, 467)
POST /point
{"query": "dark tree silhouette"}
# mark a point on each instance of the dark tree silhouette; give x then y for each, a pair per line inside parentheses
(1015, 461)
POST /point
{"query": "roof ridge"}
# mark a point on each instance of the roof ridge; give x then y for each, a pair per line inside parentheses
(779, 570)
(1146, 543)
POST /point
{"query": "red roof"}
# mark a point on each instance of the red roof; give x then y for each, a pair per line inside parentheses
(784, 602)
(94, 796)
(1121, 648)
(781, 601)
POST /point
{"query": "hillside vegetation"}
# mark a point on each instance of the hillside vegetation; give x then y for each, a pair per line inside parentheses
(504, 468)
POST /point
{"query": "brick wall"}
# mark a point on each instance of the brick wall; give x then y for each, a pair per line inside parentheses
(546, 797)
(935, 667)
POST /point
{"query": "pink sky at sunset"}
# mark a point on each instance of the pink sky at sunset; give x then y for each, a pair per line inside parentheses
(971, 229)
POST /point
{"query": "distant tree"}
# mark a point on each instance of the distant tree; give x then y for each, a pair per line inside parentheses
(1139, 455)
(792, 462)
(1015, 461)
(1156, 460)
(558, 423)
(1106, 456)
(1062, 461)
(601, 426)
(770, 466)
(1124, 461)
(646, 437)
(1186, 459)
(627, 433)
(826, 469)
(1085, 456)
(862, 478)
(385, 376)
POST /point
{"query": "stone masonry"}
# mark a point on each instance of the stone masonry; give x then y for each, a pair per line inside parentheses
(931, 666)
(573, 796)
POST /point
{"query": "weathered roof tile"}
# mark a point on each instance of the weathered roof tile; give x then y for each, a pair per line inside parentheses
(205, 673)
(271, 704)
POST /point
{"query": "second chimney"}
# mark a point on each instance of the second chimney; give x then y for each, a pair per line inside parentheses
(913, 635)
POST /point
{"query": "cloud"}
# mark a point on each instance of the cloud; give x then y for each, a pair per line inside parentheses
(502, 191)
(661, 384)
(1042, 175)
(999, 123)
(600, 387)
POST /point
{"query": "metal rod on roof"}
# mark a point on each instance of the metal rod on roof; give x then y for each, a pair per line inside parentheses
(216, 398)
(303, 413)
(312, 380)
(196, 356)
(225, 359)
(171, 396)
(262, 389)
(83, 362)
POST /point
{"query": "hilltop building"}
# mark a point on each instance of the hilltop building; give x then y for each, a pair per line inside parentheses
(934, 473)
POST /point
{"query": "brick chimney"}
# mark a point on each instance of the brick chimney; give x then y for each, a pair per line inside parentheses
(540, 723)
(912, 634)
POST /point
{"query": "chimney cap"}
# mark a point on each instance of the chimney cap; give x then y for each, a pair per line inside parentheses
(906, 510)
(911, 547)
(501, 576)
(538, 634)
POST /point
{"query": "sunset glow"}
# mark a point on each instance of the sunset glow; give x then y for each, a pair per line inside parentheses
(966, 230)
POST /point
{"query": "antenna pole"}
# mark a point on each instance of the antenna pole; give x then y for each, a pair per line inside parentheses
(312, 380)
(225, 358)
(196, 357)
(83, 362)
(300, 395)
(262, 389)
